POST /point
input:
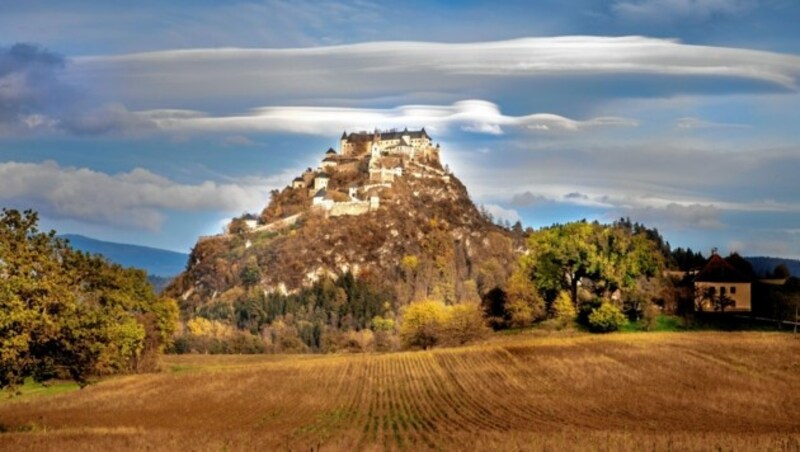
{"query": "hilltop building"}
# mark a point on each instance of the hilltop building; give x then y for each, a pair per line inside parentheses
(413, 144)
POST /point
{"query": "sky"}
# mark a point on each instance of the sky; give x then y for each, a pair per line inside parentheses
(155, 122)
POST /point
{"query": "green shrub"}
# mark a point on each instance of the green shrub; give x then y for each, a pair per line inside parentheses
(606, 318)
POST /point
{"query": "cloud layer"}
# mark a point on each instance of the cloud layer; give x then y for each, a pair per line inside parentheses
(134, 199)
(470, 115)
(373, 69)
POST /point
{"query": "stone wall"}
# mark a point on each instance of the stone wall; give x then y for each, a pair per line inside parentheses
(349, 208)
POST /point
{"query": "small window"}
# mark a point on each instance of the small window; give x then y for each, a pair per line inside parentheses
(722, 291)
(733, 290)
(733, 302)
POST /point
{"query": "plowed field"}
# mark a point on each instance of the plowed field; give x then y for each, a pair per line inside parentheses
(657, 391)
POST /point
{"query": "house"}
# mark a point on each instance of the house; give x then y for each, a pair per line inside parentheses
(331, 160)
(719, 280)
(322, 199)
(321, 181)
(298, 182)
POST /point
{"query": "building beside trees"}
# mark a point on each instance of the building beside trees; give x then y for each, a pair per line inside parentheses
(720, 286)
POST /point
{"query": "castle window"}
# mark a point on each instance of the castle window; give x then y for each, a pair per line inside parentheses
(733, 290)
(722, 291)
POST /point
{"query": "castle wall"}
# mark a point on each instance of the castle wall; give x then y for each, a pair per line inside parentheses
(349, 208)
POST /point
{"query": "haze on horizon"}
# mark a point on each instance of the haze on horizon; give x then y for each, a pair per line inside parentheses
(153, 124)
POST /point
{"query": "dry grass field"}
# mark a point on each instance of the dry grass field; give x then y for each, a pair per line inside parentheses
(654, 391)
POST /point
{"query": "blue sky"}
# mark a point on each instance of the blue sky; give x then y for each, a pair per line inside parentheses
(154, 122)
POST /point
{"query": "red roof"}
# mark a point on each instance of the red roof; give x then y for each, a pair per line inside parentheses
(718, 270)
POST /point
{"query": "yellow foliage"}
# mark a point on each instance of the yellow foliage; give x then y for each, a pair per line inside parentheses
(200, 326)
(428, 323)
(422, 323)
(563, 309)
(410, 263)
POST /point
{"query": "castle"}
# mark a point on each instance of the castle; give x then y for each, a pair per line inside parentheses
(373, 160)
(413, 144)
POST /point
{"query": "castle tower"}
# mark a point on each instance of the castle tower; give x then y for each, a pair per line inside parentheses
(343, 143)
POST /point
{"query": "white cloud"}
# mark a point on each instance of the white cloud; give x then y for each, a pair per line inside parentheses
(476, 116)
(672, 10)
(502, 214)
(374, 69)
(697, 123)
(691, 216)
(135, 199)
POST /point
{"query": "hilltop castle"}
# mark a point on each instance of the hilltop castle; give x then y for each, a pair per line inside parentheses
(413, 144)
(369, 162)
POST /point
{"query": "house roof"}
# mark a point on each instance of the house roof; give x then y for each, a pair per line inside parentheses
(718, 270)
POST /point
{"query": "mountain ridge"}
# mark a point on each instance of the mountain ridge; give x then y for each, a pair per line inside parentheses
(155, 261)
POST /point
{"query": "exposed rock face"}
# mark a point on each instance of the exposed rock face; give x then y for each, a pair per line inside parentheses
(423, 237)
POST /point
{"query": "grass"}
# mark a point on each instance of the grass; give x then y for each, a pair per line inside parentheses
(528, 391)
(32, 389)
(663, 323)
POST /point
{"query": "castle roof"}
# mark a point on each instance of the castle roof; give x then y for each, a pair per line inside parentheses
(298, 179)
(385, 135)
(324, 174)
(330, 151)
(249, 216)
(321, 193)
(330, 158)
(718, 270)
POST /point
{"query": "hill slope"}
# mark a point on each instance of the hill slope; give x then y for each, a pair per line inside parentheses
(765, 265)
(156, 262)
(403, 227)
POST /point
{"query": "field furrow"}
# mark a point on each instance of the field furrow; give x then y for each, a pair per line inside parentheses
(698, 391)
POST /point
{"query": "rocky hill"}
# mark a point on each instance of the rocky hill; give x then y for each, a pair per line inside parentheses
(381, 214)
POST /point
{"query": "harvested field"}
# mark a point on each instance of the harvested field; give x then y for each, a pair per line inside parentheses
(662, 391)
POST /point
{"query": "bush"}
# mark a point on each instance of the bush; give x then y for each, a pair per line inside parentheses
(422, 324)
(429, 323)
(650, 316)
(606, 318)
(563, 310)
(524, 305)
(465, 323)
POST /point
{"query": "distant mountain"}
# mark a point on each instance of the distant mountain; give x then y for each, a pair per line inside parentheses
(764, 265)
(157, 262)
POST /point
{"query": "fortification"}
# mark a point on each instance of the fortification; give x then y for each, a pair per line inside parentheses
(372, 160)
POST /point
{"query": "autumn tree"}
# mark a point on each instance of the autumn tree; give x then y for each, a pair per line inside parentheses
(560, 256)
(64, 314)
(613, 257)
(423, 323)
